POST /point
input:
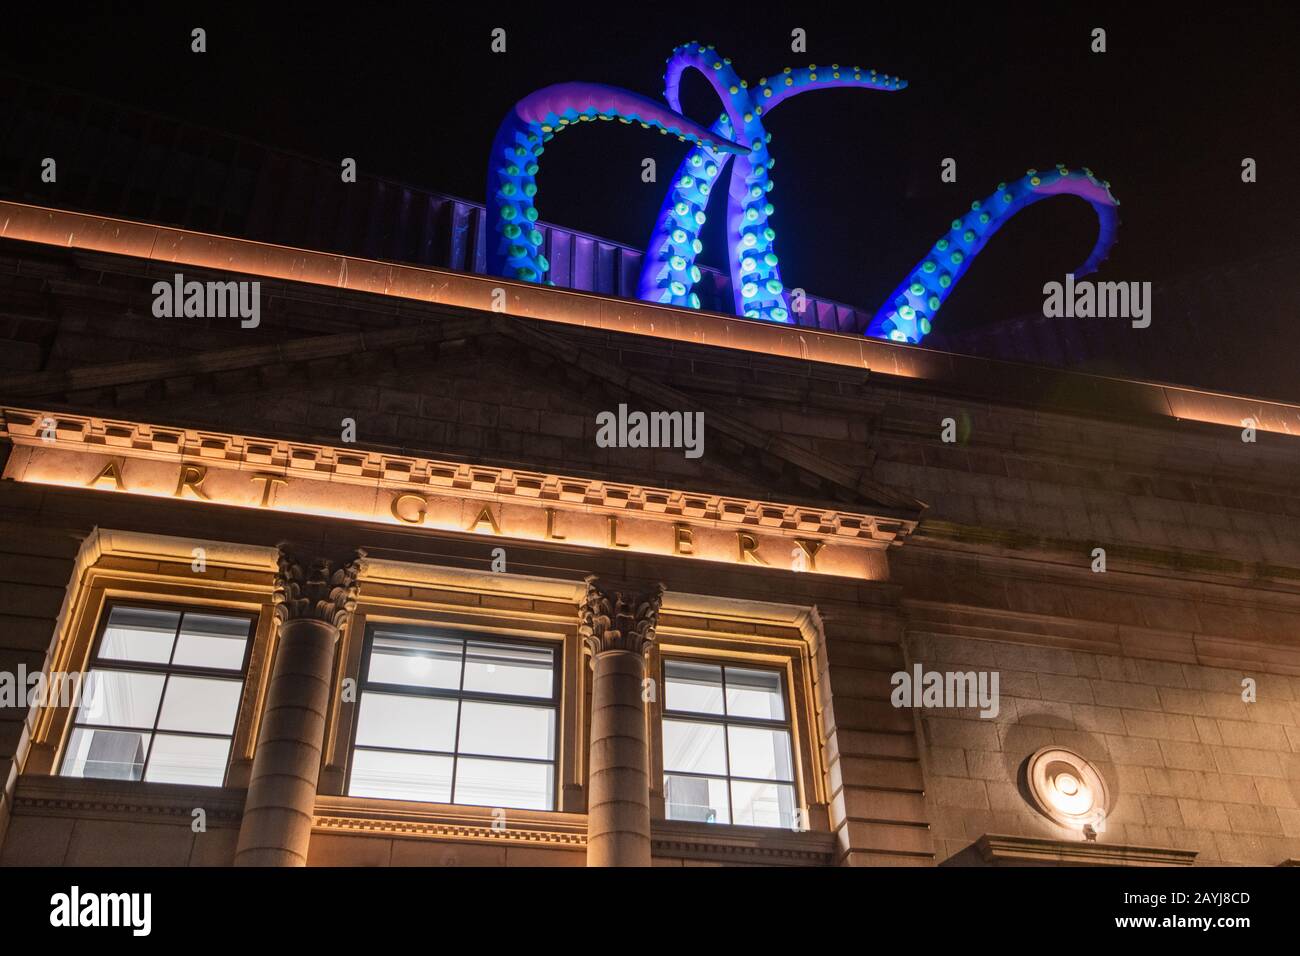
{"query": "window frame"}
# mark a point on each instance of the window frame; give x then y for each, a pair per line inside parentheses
(465, 635)
(724, 633)
(93, 662)
(726, 721)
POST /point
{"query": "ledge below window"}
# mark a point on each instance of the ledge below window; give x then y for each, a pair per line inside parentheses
(48, 796)
(726, 843)
(400, 818)
(93, 798)
(999, 850)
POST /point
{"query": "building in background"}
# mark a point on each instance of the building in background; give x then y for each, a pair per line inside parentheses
(367, 579)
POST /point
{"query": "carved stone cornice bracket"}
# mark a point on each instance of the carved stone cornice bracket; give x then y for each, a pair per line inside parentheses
(619, 617)
(315, 588)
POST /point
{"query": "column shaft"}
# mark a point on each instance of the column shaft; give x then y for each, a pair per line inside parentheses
(617, 624)
(281, 802)
(618, 805)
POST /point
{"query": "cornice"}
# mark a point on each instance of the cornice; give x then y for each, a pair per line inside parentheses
(1011, 382)
(1021, 851)
(358, 466)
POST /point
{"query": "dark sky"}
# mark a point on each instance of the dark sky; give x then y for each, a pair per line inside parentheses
(1167, 114)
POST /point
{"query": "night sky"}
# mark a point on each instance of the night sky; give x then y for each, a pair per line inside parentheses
(1167, 115)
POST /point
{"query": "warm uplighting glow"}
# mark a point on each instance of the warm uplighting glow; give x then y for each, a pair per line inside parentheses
(421, 496)
(183, 247)
(1070, 795)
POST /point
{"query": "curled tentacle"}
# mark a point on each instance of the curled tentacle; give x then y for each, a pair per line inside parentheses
(907, 315)
(516, 249)
(795, 80)
(669, 272)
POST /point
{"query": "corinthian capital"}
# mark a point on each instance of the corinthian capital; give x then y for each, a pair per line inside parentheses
(619, 617)
(311, 587)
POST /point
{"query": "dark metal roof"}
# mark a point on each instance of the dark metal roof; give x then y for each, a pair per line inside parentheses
(122, 162)
(154, 169)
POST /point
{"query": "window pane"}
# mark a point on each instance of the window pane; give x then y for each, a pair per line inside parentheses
(210, 640)
(763, 804)
(415, 660)
(756, 752)
(696, 688)
(406, 722)
(509, 669)
(139, 634)
(500, 783)
(507, 730)
(753, 693)
(200, 704)
(400, 776)
(108, 754)
(122, 698)
(475, 729)
(694, 748)
(702, 799)
(194, 760)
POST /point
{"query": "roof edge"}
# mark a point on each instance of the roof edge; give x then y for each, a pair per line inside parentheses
(995, 378)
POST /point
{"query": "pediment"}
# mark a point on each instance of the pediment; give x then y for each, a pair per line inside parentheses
(479, 388)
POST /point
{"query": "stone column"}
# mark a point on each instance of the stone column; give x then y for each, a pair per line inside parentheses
(618, 627)
(313, 599)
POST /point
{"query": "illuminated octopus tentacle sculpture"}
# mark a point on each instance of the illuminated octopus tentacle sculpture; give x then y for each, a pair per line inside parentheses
(516, 250)
(907, 315)
(669, 273)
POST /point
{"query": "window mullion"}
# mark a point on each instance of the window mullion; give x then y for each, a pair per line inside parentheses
(460, 710)
(726, 748)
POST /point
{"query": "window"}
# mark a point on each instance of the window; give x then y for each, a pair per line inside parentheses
(161, 697)
(446, 717)
(726, 745)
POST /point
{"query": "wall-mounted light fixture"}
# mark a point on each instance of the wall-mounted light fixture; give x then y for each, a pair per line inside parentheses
(1068, 789)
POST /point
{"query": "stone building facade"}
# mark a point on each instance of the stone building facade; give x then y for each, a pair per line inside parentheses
(396, 471)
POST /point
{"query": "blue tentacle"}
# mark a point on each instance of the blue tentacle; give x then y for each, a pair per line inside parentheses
(908, 314)
(516, 250)
(669, 273)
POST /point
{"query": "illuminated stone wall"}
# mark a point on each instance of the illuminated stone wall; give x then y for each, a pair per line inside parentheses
(1138, 668)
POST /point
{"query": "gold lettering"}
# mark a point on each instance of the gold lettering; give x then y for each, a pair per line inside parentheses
(810, 548)
(485, 514)
(192, 478)
(613, 533)
(421, 509)
(748, 547)
(268, 489)
(113, 471)
(550, 526)
(683, 538)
